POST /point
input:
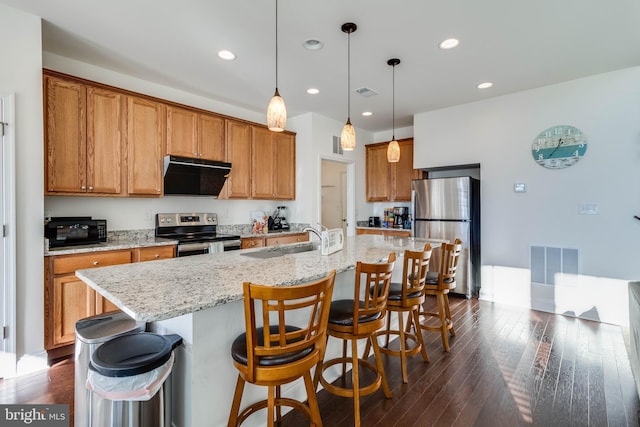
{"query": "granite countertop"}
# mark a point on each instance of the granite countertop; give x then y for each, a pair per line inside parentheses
(164, 289)
(112, 245)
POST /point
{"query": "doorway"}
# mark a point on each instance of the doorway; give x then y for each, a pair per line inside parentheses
(333, 187)
(8, 246)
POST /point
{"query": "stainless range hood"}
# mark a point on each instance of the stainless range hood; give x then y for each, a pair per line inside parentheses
(185, 176)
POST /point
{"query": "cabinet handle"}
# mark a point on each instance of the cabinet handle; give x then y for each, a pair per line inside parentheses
(95, 263)
(83, 187)
(157, 255)
(91, 188)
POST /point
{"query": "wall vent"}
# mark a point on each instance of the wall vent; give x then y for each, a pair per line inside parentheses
(366, 92)
(554, 266)
(337, 148)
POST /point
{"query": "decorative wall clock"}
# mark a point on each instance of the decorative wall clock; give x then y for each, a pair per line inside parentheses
(559, 147)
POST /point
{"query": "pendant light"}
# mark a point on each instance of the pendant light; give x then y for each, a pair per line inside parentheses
(276, 111)
(348, 135)
(393, 150)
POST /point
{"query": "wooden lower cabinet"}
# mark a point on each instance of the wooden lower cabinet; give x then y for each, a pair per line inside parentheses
(68, 299)
(271, 240)
(389, 232)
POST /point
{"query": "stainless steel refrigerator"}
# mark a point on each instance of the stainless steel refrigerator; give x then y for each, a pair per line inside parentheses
(449, 208)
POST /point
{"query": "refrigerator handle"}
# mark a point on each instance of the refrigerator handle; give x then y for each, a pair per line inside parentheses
(412, 212)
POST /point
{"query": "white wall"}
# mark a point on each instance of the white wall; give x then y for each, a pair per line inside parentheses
(21, 73)
(497, 134)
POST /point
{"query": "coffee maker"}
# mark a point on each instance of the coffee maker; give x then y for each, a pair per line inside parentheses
(400, 217)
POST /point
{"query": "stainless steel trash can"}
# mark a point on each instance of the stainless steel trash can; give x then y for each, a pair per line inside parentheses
(91, 333)
(133, 373)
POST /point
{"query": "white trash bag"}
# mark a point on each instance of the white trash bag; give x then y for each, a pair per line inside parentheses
(139, 387)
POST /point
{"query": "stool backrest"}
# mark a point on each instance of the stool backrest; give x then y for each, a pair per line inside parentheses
(450, 253)
(374, 280)
(280, 308)
(414, 271)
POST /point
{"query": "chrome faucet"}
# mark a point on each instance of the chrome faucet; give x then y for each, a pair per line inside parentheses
(314, 231)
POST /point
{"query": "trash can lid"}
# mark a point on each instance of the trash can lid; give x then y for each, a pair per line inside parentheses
(103, 327)
(133, 354)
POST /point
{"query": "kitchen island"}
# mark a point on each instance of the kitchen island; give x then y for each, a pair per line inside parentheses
(200, 298)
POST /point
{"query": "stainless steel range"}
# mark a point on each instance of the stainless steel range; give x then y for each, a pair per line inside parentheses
(195, 232)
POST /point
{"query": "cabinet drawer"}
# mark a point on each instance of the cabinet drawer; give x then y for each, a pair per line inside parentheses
(249, 243)
(71, 263)
(283, 240)
(153, 253)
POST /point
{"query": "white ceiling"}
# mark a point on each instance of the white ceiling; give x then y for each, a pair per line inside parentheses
(515, 44)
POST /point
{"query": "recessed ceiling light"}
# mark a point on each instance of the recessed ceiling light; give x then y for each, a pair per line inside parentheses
(227, 55)
(313, 91)
(449, 44)
(367, 113)
(312, 44)
(485, 85)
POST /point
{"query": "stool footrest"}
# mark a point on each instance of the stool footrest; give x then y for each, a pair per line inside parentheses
(345, 391)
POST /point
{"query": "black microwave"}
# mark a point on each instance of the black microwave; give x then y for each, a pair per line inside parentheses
(76, 230)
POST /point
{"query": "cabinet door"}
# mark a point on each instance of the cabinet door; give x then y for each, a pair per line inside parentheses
(238, 141)
(65, 136)
(182, 132)
(284, 185)
(402, 172)
(286, 239)
(104, 141)
(72, 301)
(262, 164)
(378, 181)
(103, 305)
(211, 139)
(144, 141)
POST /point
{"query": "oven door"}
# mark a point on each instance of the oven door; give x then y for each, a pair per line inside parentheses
(188, 249)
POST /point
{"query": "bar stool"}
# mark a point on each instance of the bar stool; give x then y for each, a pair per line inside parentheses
(439, 284)
(278, 352)
(407, 297)
(360, 318)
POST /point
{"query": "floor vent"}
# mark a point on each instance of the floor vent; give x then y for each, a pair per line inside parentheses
(554, 266)
(337, 148)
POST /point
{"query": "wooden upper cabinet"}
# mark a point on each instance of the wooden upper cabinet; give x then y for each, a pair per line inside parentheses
(193, 134)
(390, 181)
(83, 138)
(238, 144)
(104, 141)
(378, 173)
(211, 137)
(182, 132)
(145, 135)
(65, 136)
(273, 159)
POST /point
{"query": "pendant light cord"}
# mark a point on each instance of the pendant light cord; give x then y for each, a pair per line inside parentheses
(393, 102)
(276, 45)
(349, 78)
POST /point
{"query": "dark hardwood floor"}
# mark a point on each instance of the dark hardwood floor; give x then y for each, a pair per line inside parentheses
(507, 367)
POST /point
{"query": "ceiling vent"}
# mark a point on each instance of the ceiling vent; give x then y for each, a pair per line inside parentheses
(366, 92)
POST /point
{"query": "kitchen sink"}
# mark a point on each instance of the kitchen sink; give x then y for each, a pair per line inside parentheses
(282, 250)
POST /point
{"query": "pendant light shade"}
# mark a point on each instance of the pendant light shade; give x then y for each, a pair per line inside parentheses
(348, 135)
(393, 150)
(276, 111)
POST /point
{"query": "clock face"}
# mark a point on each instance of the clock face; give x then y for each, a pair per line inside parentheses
(559, 147)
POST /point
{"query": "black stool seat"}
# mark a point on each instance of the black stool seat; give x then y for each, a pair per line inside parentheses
(239, 349)
(341, 313)
(433, 276)
(395, 292)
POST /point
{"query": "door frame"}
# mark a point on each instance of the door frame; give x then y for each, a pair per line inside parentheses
(8, 253)
(349, 190)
